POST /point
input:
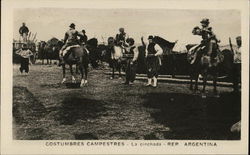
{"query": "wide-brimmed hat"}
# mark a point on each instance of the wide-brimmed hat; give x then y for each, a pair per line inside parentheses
(150, 37)
(205, 21)
(121, 29)
(72, 25)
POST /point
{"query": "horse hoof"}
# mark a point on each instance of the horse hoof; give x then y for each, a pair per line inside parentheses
(120, 78)
(111, 78)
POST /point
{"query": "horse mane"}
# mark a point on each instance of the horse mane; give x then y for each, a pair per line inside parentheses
(163, 43)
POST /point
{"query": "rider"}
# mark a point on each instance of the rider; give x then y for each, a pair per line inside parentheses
(23, 31)
(121, 38)
(84, 38)
(209, 40)
(131, 61)
(70, 39)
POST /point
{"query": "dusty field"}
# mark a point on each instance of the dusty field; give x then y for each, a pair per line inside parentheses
(105, 109)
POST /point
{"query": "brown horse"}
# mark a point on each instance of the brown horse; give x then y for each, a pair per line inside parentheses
(201, 66)
(81, 62)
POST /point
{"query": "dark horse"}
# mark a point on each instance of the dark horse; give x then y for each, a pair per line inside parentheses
(82, 62)
(201, 66)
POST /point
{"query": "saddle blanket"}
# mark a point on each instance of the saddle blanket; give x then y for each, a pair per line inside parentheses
(192, 53)
(64, 52)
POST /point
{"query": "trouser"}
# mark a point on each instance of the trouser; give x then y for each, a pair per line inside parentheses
(153, 66)
(24, 65)
(236, 75)
(130, 71)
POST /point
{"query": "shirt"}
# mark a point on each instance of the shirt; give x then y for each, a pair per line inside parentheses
(135, 52)
(158, 50)
(71, 36)
(25, 53)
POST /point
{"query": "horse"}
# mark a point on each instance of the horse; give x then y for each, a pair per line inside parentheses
(201, 66)
(116, 53)
(81, 62)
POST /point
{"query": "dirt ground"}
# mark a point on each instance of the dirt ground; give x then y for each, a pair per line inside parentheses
(106, 109)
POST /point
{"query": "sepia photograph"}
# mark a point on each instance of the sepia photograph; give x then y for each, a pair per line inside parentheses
(126, 73)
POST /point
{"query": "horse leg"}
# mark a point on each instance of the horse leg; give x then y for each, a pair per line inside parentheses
(86, 73)
(119, 70)
(196, 82)
(215, 84)
(64, 78)
(113, 70)
(204, 82)
(82, 79)
(191, 82)
(72, 74)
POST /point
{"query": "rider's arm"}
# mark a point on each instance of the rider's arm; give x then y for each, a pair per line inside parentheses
(159, 50)
(146, 51)
(65, 38)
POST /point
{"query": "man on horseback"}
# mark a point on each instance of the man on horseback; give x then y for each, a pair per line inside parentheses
(131, 56)
(70, 40)
(153, 51)
(23, 31)
(209, 41)
(84, 38)
(121, 38)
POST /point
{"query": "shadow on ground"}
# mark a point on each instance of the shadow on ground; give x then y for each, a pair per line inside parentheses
(193, 117)
(27, 114)
(74, 108)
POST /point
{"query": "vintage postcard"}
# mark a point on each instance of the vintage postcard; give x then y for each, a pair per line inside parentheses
(124, 77)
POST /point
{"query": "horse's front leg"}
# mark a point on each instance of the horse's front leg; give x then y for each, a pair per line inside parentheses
(191, 82)
(64, 70)
(72, 74)
(196, 82)
(215, 84)
(119, 68)
(204, 83)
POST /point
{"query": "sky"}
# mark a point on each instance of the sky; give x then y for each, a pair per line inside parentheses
(102, 23)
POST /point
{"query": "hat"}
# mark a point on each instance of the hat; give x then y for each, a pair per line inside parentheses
(121, 29)
(150, 37)
(131, 41)
(205, 21)
(72, 25)
(238, 38)
(83, 31)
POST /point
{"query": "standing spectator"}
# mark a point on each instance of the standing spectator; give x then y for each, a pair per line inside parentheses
(24, 30)
(131, 61)
(25, 54)
(153, 51)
